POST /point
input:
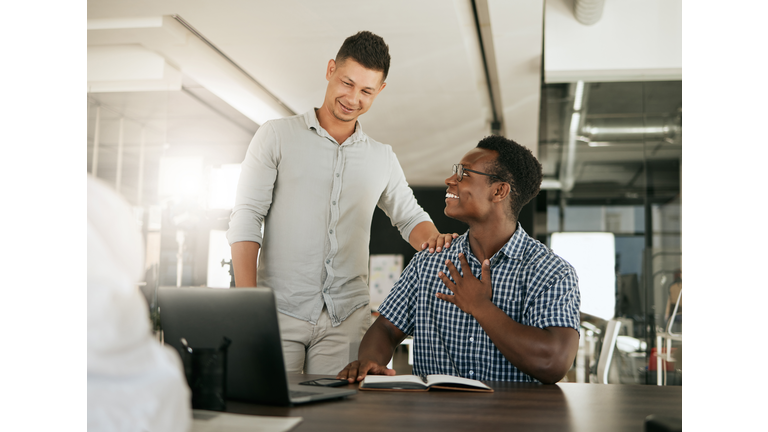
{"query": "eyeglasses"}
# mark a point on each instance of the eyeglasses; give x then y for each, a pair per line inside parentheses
(459, 169)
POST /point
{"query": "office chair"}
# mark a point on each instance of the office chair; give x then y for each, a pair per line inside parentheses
(671, 319)
(664, 344)
(606, 351)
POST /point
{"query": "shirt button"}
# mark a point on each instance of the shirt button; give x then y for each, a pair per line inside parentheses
(471, 372)
(337, 174)
(331, 231)
(334, 203)
(471, 339)
(327, 261)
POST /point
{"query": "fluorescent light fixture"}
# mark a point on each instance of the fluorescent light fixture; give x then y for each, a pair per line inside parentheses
(551, 184)
(222, 186)
(123, 68)
(121, 23)
(181, 46)
(593, 255)
(639, 130)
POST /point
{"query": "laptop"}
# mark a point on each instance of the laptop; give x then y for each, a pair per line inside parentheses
(247, 316)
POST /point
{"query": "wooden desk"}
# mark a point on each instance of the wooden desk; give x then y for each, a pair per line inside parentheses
(513, 406)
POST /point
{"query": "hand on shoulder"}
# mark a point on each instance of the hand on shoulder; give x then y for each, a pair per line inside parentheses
(438, 242)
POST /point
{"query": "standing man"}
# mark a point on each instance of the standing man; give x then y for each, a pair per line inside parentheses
(311, 182)
(498, 305)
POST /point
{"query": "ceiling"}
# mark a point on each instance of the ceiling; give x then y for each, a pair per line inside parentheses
(456, 65)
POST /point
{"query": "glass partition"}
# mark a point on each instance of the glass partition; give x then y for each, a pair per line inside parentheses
(174, 156)
(612, 159)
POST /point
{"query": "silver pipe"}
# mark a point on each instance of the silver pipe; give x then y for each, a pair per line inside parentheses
(580, 93)
(570, 160)
(630, 129)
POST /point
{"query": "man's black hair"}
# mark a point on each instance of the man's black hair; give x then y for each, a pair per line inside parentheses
(367, 49)
(515, 165)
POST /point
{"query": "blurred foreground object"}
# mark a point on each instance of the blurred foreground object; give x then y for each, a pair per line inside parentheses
(134, 383)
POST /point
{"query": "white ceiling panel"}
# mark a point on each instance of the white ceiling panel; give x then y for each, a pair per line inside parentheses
(635, 40)
(436, 105)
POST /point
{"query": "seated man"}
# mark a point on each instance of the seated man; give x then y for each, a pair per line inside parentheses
(498, 305)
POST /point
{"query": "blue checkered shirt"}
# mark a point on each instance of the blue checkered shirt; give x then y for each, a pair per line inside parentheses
(531, 284)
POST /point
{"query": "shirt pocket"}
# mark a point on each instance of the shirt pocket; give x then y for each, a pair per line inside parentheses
(512, 304)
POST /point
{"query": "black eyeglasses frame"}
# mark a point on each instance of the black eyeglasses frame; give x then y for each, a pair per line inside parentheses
(459, 169)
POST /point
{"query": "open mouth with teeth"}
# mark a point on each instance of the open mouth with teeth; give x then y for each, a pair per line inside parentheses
(450, 195)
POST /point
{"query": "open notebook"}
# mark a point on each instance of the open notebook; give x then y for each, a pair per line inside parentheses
(422, 383)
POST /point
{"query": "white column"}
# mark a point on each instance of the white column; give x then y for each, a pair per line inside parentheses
(658, 359)
(180, 237)
(140, 187)
(95, 160)
(118, 177)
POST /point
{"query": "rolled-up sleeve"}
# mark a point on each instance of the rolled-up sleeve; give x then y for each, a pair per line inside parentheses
(399, 204)
(254, 189)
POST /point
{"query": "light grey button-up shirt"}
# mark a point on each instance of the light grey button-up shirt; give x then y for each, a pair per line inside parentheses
(315, 199)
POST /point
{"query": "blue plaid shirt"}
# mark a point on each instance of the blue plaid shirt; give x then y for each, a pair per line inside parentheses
(531, 284)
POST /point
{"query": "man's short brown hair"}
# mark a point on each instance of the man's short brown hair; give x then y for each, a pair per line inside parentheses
(367, 49)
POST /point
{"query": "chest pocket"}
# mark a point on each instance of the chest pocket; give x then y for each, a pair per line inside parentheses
(509, 294)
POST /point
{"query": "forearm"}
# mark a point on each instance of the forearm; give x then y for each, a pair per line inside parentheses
(545, 354)
(421, 233)
(380, 341)
(245, 260)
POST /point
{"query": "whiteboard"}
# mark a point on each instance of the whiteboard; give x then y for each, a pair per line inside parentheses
(384, 272)
(593, 255)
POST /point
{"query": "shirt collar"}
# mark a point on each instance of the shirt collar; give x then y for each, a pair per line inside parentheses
(514, 248)
(310, 118)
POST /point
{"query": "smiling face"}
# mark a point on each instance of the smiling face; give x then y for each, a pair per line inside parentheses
(472, 197)
(351, 89)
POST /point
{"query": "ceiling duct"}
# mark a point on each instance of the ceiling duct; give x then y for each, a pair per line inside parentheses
(579, 92)
(588, 12)
(605, 131)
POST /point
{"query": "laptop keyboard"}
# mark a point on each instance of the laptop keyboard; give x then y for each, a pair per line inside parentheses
(298, 394)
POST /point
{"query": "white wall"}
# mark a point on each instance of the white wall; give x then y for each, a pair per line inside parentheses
(635, 40)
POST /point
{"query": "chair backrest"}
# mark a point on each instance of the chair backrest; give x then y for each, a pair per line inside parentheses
(606, 352)
(671, 319)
